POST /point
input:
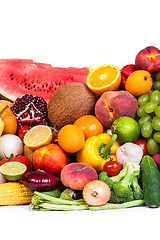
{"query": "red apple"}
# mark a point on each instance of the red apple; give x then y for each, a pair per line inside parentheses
(125, 72)
(148, 59)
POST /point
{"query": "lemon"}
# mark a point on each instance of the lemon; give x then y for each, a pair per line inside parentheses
(13, 171)
(126, 128)
(38, 136)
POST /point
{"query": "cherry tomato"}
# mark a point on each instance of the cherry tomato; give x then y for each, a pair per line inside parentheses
(143, 144)
(23, 130)
(55, 132)
(112, 168)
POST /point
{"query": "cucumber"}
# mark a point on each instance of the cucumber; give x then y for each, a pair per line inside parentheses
(150, 181)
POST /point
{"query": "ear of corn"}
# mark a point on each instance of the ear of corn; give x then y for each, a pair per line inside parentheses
(15, 193)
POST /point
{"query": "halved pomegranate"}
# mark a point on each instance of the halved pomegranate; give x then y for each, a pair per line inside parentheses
(30, 109)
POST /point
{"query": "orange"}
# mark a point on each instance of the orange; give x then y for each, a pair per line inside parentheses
(104, 78)
(139, 82)
(38, 136)
(90, 125)
(71, 138)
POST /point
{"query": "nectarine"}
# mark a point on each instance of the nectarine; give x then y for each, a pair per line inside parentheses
(148, 59)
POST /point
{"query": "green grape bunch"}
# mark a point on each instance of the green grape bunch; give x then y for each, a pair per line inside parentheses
(148, 113)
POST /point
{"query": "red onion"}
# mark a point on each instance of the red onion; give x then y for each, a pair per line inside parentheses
(40, 181)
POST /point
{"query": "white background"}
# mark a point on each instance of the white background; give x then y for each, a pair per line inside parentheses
(78, 33)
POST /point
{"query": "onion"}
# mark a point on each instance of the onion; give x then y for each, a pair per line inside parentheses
(10, 144)
(40, 180)
(96, 193)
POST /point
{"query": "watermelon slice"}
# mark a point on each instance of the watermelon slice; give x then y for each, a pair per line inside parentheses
(21, 76)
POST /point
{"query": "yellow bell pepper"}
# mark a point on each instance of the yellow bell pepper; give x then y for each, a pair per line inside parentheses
(97, 150)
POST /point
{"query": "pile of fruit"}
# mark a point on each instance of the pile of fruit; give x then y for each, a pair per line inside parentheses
(78, 139)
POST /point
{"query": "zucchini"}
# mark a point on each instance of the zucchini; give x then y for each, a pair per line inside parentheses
(150, 181)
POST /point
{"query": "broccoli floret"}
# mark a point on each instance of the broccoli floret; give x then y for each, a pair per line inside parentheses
(137, 190)
(115, 199)
(123, 188)
(104, 177)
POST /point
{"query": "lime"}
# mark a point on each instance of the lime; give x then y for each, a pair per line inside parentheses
(126, 128)
(13, 171)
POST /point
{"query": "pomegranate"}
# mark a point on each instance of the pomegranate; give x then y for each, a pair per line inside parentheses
(30, 109)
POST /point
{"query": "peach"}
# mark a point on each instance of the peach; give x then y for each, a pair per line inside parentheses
(148, 59)
(77, 175)
(114, 104)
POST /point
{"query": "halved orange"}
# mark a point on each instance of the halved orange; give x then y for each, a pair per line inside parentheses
(38, 136)
(104, 78)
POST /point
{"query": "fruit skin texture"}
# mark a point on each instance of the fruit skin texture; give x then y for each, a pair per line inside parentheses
(90, 125)
(96, 193)
(10, 121)
(126, 128)
(143, 144)
(156, 158)
(71, 138)
(3, 103)
(148, 59)
(139, 82)
(70, 102)
(125, 72)
(26, 76)
(50, 158)
(77, 175)
(114, 104)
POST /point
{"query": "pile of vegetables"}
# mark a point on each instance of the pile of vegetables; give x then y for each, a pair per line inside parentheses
(126, 190)
(48, 202)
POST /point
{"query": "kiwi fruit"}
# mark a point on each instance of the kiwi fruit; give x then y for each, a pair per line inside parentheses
(70, 102)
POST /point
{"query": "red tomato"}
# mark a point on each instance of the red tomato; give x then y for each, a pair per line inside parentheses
(4, 160)
(143, 144)
(22, 131)
(21, 159)
(55, 132)
(112, 168)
